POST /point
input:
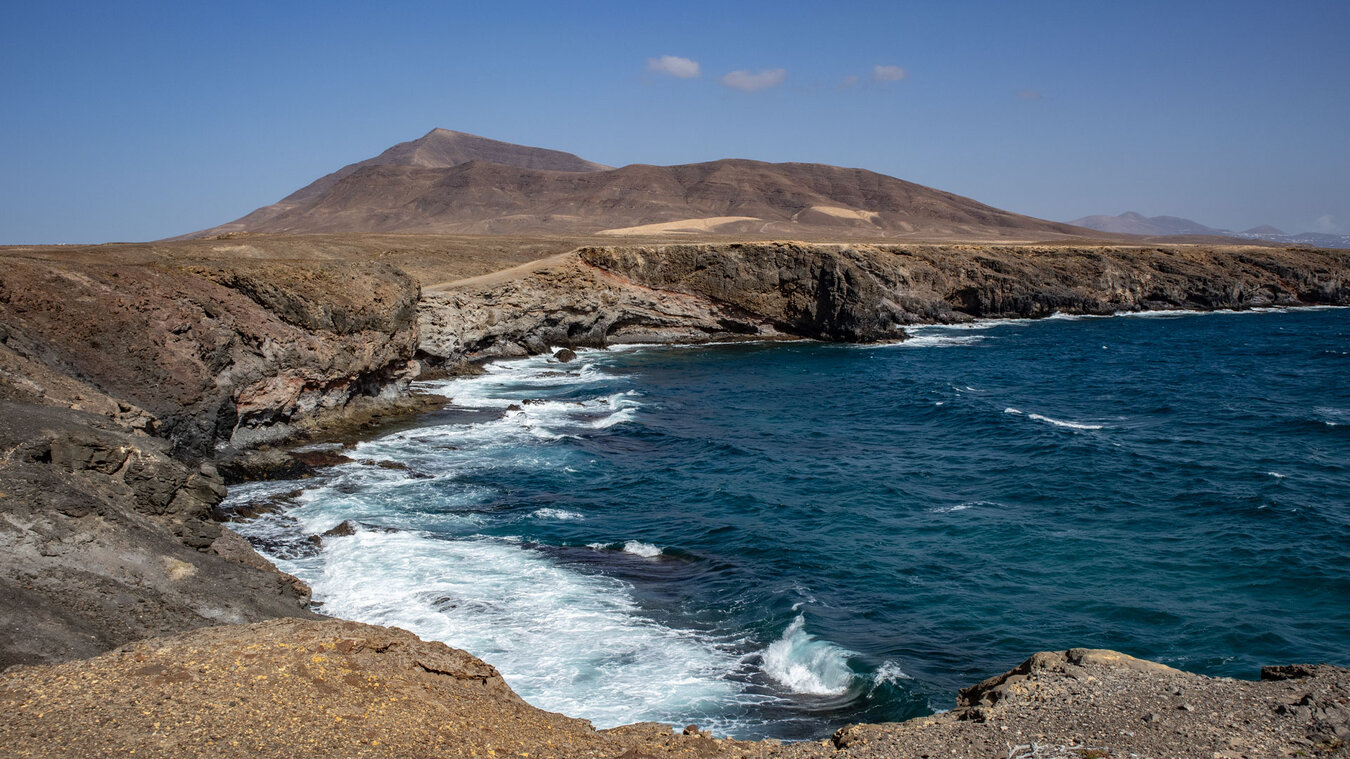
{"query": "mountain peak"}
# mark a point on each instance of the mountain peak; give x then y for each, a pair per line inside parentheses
(438, 149)
(443, 148)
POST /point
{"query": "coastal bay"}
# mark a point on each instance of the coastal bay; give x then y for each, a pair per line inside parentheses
(276, 368)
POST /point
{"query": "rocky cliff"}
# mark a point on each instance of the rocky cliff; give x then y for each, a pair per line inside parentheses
(118, 385)
(106, 538)
(601, 295)
(221, 354)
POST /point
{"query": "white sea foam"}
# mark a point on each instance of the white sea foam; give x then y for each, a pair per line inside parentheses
(1276, 475)
(526, 392)
(1056, 422)
(634, 547)
(938, 335)
(937, 341)
(888, 672)
(1062, 423)
(963, 506)
(558, 514)
(565, 641)
(805, 664)
(1058, 316)
(1163, 313)
(638, 548)
(1332, 417)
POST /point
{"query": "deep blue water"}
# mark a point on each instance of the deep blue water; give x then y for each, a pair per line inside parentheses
(775, 539)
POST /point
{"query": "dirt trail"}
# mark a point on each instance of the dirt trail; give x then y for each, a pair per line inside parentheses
(504, 275)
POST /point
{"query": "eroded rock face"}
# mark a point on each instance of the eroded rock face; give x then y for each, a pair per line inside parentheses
(117, 383)
(572, 304)
(233, 354)
(861, 293)
(827, 291)
(106, 538)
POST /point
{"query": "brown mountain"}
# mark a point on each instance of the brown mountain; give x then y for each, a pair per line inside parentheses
(437, 149)
(448, 182)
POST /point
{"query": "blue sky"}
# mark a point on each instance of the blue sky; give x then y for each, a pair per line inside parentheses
(140, 120)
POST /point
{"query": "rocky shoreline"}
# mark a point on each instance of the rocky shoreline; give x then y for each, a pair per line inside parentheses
(302, 688)
(134, 381)
(598, 296)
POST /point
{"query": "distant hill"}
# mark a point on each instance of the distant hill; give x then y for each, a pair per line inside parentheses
(1263, 230)
(1131, 223)
(450, 182)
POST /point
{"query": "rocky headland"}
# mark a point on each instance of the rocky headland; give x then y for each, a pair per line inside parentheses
(597, 296)
(137, 381)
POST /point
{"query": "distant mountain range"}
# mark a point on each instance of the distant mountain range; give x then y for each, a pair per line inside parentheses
(451, 182)
(1131, 223)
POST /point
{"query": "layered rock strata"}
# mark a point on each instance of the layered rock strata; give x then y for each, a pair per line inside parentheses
(220, 355)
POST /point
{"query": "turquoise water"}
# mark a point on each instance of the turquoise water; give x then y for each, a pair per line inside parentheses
(778, 539)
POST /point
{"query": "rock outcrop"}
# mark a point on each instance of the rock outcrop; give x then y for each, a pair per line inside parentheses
(119, 384)
(220, 355)
(1096, 703)
(106, 538)
(295, 688)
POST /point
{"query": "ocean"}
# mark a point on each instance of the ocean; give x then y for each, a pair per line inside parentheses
(775, 539)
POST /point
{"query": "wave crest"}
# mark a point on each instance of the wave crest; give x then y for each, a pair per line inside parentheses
(806, 664)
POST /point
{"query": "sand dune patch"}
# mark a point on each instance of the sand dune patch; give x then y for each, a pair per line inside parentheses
(682, 226)
(845, 213)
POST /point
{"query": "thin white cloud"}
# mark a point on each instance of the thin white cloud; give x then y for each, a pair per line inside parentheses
(1327, 223)
(849, 82)
(888, 73)
(746, 81)
(674, 65)
(1030, 95)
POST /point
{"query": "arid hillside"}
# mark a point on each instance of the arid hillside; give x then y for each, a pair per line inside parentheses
(452, 183)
